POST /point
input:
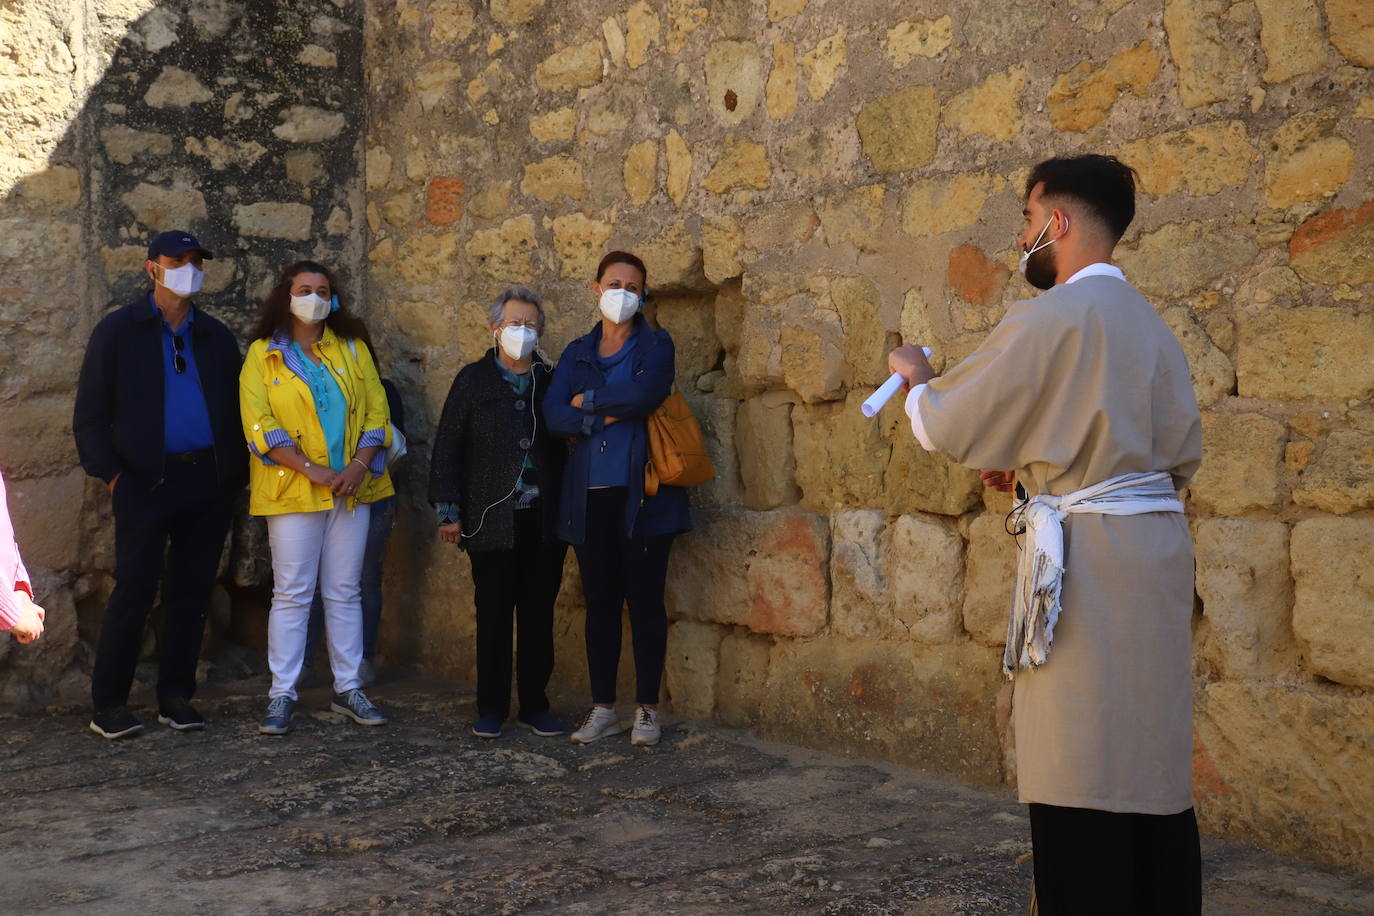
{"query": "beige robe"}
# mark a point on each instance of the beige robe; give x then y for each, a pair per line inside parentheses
(1076, 386)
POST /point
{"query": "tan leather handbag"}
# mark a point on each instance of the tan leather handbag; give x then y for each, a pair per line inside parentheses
(677, 449)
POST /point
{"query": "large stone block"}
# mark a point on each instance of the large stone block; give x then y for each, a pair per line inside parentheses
(1212, 64)
(782, 224)
(822, 63)
(1351, 24)
(716, 416)
(574, 67)
(1289, 764)
(742, 164)
(515, 12)
(932, 206)
(674, 260)
(124, 144)
(1307, 162)
(763, 570)
(1336, 246)
(910, 39)
(767, 464)
(741, 678)
(1240, 464)
(1321, 353)
(550, 178)
(734, 80)
(916, 480)
(274, 220)
(307, 124)
(46, 513)
(927, 707)
(812, 345)
(642, 32)
(679, 162)
(860, 596)
(37, 436)
(444, 201)
(1197, 161)
(1247, 596)
(989, 574)
(992, 108)
(854, 218)
(690, 668)
(156, 207)
(780, 92)
(1083, 97)
(1333, 597)
(579, 241)
(429, 259)
(925, 567)
(176, 88)
(641, 172)
(840, 455)
(1291, 36)
(898, 129)
(503, 253)
(1341, 479)
(868, 333)
(1212, 374)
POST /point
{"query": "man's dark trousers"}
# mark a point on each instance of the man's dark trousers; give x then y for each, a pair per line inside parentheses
(184, 517)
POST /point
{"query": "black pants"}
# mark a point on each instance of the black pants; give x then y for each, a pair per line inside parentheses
(1093, 862)
(522, 582)
(615, 570)
(185, 519)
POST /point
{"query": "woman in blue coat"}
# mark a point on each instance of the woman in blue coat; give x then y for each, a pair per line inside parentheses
(606, 384)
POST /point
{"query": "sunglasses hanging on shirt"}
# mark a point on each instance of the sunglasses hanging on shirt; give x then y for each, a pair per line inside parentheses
(178, 361)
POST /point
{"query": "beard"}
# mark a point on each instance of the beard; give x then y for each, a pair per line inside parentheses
(1041, 269)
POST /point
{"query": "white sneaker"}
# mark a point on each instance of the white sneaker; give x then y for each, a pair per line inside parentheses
(646, 730)
(599, 722)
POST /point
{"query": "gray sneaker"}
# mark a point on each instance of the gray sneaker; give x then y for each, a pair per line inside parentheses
(278, 718)
(355, 704)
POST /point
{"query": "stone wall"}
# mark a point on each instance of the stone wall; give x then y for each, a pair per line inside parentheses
(811, 181)
(238, 120)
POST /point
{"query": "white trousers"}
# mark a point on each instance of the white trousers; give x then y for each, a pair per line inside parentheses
(326, 546)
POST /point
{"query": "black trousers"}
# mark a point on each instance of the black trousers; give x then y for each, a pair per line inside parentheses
(1094, 862)
(185, 519)
(617, 570)
(523, 583)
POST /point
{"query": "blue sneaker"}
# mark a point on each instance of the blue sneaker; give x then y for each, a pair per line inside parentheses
(355, 704)
(544, 724)
(488, 726)
(278, 718)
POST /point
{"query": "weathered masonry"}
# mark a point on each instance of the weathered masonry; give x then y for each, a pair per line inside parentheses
(809, 181)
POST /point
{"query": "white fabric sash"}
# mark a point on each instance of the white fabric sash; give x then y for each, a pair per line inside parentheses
(1040, 569)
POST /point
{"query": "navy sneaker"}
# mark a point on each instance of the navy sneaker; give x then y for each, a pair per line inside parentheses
(488, 726)
(115, 723)
(544, 724)
(355, 704)
(180, 714)
(278, 718)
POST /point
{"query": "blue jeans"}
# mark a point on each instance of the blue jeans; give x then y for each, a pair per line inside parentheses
(378, 533)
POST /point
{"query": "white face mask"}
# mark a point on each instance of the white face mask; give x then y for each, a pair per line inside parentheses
(1035, 246)
(185, 280)
(517, 343)
(311, 309)
(619, 305)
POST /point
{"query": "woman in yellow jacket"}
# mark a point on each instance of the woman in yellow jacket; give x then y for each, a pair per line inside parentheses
(315, 417)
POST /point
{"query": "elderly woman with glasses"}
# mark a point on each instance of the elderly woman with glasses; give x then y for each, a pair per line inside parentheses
(494, 481)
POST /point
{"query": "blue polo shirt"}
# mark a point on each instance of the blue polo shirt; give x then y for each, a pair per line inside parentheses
(185, 419)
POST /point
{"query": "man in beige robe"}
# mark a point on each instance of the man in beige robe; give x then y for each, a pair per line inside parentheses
(1079, 386)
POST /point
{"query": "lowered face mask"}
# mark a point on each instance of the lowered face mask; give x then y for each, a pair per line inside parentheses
(185, 280)
(311, 309)
(619, 305)
(1035, 246)
(517, 343)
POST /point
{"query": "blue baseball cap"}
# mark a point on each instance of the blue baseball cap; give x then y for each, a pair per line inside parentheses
(174, 243)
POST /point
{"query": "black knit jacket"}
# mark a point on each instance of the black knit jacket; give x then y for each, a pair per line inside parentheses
(479, 448)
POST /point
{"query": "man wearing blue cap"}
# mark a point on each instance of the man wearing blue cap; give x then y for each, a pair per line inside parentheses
(157, 419)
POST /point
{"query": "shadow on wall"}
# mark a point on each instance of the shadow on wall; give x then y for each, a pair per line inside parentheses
(236, 119)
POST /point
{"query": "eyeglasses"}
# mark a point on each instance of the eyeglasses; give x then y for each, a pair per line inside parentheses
(532, 324)
(178, 361)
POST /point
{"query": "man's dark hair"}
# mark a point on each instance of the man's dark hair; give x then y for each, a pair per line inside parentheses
(622, 257)
(1103, 185)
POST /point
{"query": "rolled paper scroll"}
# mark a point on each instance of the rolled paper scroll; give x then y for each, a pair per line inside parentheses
(890, 387)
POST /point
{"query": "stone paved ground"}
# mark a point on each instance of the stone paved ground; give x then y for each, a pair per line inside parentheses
(419, 817)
